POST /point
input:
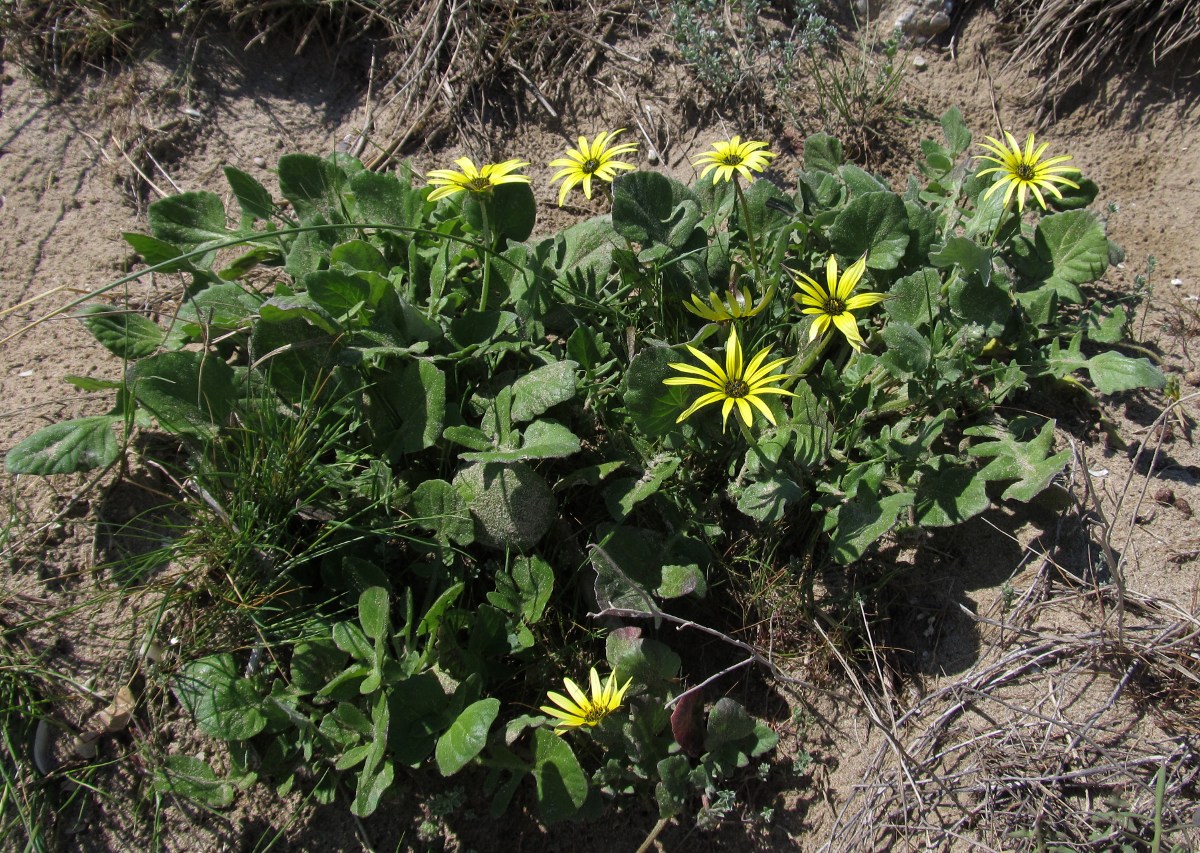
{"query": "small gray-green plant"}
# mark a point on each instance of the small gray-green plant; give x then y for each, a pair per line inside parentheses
(724, 41)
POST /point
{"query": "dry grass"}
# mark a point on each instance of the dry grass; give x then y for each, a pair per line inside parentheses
(1076, 730)
(439, 60)
(1073, 41)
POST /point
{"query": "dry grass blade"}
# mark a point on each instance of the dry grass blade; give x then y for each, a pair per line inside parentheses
(1058, 763)
(1072, 41)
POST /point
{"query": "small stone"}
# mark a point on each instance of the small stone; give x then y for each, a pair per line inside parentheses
(261, 162)
(1192, 377)
(1147, 516)
(1165, 496)
(1184, 507)
(919, 63)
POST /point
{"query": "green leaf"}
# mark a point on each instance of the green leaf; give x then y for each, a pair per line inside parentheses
(466, 737)
(418, 710)
(63, 448)
(314, 663)
(300, 306)
(913, 296)
(125, 334)
(223, 704)
(542, 439)
(437, 611)
(727, 722)
(337, 292)
(537, 392)
(515, 211)
(155, 252)
(295, 356)
(823, 153)
(562, 786)
(623, 494)
(767, 500)
(1111, 372)
(674, 787)
(974, 260)
(525, 591)
(875, 223)
(511, 502)
(1074, 199)
(650, 208)
(655, 407)
(382, 198)
(350, 639)
(313, 186)
(374, 612)
(989, 305)
(252, 197)
(949, 493)
(908, 352)
(955, 131)
(857, 524)
(186, 776)
(221, 307)
(646, 661)
(859, 181)
(371, 786)
(420, 398)
(1069, 249)
(190, 393)
(1029, 463)
(188, 220)
(437, 506)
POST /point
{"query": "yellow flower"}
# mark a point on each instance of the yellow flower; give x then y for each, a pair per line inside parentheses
(449, 182)
(734, 306)
(833, 303)
(581, 709)
(591, 160)
(1025, 170)
(738, 384)
(734, 155)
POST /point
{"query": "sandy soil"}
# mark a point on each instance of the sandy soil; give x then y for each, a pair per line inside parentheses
(69, 186)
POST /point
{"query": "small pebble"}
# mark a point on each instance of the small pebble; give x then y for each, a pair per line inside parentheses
(261, 162)
(919, 63)
(1184, 507)
(1178, 282)
(1165, 496)
(1147, 516)
(1192, 377)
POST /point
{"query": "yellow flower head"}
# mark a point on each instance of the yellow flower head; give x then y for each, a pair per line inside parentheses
(1025, 171)
(734, 156)
(591, 160)
(581, 709)
(449, 182)
(734, 306)
(738, 384)
(833, 303)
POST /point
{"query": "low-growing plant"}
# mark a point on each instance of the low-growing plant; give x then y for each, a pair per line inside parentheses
(467, 439)
(722, 41)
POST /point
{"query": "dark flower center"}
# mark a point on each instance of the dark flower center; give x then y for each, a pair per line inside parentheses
(1025, 171)
(731, 158)
(834, 307)
(478, 185)
(590, 166)
(736, 388)
(593, 714)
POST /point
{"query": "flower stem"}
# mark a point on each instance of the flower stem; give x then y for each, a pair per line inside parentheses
(489, 248)
(758, 276)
